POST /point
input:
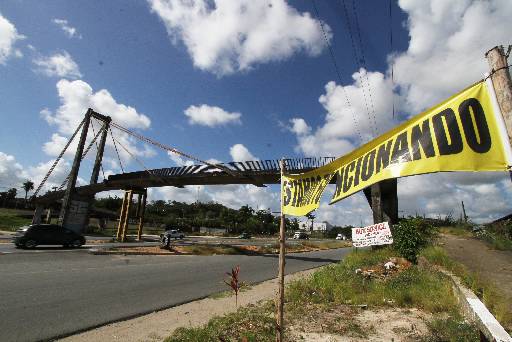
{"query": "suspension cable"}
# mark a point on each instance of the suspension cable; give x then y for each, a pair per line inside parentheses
(115, 147)
(57, 160)
(97, 149)
(170, 149)
(139, 161)
(83, 156)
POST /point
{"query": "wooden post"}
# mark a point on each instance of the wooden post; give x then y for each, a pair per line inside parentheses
(464, 212)
(126, 221)
(142, 210)
(497, 58)
(282, 262)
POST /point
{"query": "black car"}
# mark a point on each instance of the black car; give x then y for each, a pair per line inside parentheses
(46, 234)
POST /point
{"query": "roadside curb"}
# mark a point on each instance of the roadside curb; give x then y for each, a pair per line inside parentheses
(476, 311)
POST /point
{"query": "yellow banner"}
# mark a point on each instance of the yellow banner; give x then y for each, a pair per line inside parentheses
(462, 133)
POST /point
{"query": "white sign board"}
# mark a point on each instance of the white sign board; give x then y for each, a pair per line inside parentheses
(374, 235)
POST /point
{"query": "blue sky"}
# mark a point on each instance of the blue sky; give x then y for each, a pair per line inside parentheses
(229, 80)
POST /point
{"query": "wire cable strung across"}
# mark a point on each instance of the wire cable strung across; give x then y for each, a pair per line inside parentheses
(117, 152)
(363, 63)
(139, 161)
(170, 149)
(83, 156)
(333, 59)
(392, 62)
(34, 195)
(97, 148)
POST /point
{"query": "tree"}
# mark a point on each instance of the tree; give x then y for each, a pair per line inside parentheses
(311, 217)
(27, 186)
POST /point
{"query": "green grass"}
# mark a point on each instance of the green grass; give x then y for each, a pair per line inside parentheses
(11, 219)
(486, 291)
(253, 323)
(424, 289)
(457, 231)
(331, 288)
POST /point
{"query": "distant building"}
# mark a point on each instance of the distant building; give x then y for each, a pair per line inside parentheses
(317, 226)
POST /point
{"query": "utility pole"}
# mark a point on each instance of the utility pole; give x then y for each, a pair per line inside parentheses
(500, 76)
(464, 213)
(282, 251)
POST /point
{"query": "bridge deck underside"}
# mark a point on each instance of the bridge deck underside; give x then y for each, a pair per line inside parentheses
(253, 172)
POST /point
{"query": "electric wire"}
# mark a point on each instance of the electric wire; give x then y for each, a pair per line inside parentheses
(359, 65)
(364, 65)
(392, 62)
(333, 59)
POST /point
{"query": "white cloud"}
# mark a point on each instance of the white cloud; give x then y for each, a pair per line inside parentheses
(232, 196)
(8, 37)
(448, 40)
(76, 97)
(60, 65)
(224, 36)
(179, 161)
(239, 153)
(445, 55)
(211, 116)
(69, 30)
(13, 174)
(349, 116)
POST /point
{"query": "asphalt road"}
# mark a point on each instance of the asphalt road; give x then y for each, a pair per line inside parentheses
(51, 294)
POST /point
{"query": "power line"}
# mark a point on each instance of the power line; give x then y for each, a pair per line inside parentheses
(333, 59)
(360, 62)
(392, 62)
(363, 62)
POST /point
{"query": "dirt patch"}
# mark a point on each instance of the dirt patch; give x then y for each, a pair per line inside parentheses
(491, 265)
(345, 323)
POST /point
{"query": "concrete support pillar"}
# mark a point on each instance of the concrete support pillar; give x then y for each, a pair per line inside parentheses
(36, 219)
(49, 215)
(73, 175)
(99, 154)
(140, 213)
(383, 200)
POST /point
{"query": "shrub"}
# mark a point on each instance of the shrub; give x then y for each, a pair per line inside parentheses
(411, 235)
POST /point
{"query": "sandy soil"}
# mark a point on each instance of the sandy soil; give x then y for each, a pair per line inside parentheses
(492, 265)
(380, 325)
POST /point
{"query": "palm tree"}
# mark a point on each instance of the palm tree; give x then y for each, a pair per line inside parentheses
(311, 217)
(27, 186)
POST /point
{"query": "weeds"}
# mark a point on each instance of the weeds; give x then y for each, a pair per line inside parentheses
(486, 291)
(254, 323)
(234, 282)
